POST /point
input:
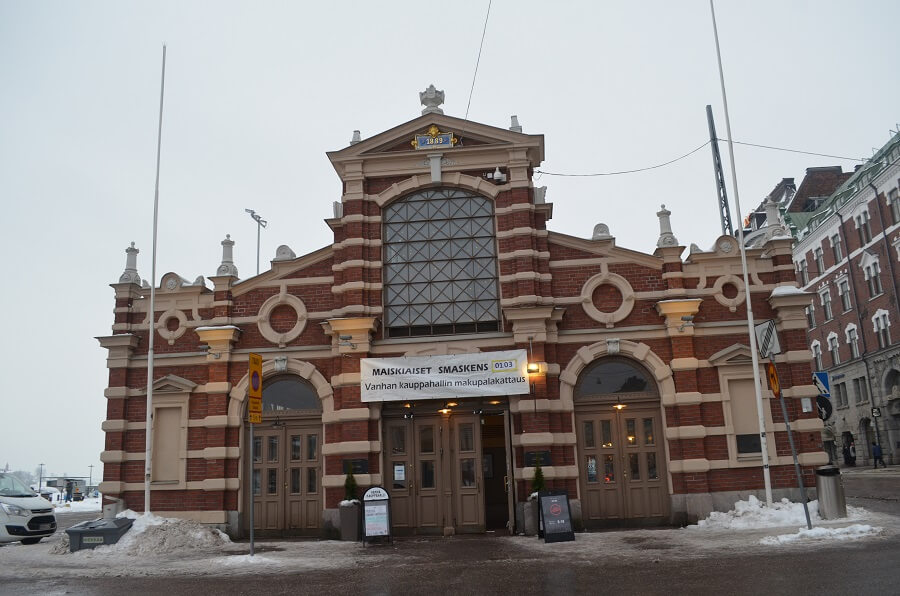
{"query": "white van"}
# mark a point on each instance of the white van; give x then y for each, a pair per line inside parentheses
(23, 515)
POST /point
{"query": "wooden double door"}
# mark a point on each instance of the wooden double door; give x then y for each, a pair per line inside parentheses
(286, 478)
(435, 473)
(622, 467)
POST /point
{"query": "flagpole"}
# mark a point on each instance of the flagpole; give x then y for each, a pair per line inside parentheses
(763, 443)
(152, 314)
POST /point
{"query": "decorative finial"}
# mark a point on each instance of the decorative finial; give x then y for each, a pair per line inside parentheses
(356, 138)
(227, 268)
(431, 98)
(130, 275)
(774, 226)
(284, 253)
(666, 237)
(601, 232)
(514, 124)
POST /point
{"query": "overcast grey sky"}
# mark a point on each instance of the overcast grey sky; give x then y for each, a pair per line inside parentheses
(256, 92)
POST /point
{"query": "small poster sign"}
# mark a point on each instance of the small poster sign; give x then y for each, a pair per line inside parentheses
(556, 517)
(376, 514)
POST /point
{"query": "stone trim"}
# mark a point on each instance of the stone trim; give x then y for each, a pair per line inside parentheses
(615, 280)
(541, 439)
(265, 311)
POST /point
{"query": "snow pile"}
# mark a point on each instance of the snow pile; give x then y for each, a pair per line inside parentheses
(154, 535)
(854, 532)
(753, 513)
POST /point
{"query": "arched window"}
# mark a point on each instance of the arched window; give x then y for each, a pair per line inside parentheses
(616, 378)
(440, 264)
(289, 393)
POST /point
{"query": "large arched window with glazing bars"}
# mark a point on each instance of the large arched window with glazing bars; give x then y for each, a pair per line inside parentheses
(440, 264)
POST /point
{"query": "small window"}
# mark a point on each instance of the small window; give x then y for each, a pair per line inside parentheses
(825, 298)
(817, 356)
(820, 260)
(836, 249)
(863, 228)
(853, 340)
(894, 202)
(749, 444)
(613, 376)
(833, 348)
(810, 317)
(803, 271)
(289, 393)
(844, 291)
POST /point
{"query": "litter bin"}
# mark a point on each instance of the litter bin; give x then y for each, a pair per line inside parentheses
(830, 490)
(91, 534)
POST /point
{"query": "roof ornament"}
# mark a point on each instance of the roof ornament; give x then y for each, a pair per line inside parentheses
(356, 137)
(601, 232)
(227, 268)
(514, 124)
(774, 225)
(130, 275)
(431, 98)
(666, 237)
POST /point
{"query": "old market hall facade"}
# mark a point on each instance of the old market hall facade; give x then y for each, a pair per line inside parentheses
(637, 397)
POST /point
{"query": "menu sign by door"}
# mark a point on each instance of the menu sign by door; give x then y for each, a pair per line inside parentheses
(376, 514)
(556, 516)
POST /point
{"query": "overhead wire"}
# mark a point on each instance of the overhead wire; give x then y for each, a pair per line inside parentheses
(691, 152)
(478, 61)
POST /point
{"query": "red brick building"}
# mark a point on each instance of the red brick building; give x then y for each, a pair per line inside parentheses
(642, 405)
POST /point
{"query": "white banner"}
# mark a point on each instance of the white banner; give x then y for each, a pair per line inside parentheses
(439, 377)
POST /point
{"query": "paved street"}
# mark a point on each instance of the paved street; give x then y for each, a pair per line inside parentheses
(645, 561)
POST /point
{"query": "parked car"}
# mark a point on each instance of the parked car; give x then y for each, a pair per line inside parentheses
(24, 516)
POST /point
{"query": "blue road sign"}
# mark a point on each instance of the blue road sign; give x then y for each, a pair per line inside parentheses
(821, 381)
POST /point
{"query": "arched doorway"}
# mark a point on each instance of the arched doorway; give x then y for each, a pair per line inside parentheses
(286, 459)
(622, 467)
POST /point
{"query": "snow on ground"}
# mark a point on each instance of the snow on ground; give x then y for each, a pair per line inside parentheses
(83, 506)
(854, 532)
(158, 546)
(753, 514)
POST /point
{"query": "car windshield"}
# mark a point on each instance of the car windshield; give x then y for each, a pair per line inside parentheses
(10, 486)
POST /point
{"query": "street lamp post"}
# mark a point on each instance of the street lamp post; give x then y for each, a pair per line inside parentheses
(40, 477)
(260, 224)
(90, 476)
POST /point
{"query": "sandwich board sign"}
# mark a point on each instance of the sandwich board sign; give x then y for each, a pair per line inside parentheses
(376, 514)
(555, 516)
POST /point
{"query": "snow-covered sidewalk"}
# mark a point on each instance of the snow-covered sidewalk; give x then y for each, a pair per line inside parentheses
(157, 546)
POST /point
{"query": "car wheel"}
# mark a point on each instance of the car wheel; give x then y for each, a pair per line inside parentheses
(34, 540)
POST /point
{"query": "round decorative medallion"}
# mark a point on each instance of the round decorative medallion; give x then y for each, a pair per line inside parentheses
(171, 284)
(282, 318)
(607, 298)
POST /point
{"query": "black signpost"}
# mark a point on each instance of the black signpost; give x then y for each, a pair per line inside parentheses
(377, 515)
(555, 516)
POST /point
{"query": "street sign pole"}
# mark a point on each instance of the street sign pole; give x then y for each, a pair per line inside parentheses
(776, 390)
(254, 410)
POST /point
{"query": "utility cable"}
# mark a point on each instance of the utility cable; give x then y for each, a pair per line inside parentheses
(478, 61)
(689, 153)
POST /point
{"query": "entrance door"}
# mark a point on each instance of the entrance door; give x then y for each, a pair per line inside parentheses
(285, 479)
(434, 468)
(467, 481)
(622, 467)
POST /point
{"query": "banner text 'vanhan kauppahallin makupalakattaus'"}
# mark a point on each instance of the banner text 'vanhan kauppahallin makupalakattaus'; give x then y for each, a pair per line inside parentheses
(438, 377)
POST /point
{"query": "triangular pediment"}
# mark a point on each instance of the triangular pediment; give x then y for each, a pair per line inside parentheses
(604, 248)
(468, 134)
(288, 269)
(173, 384)
(735, 354)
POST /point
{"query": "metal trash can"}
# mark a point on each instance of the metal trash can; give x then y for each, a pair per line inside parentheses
(830, 490)
(91, 534)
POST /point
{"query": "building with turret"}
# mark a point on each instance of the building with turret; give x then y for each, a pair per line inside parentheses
(447, 343)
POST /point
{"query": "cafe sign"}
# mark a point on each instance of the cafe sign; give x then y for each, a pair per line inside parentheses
(439, 377)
